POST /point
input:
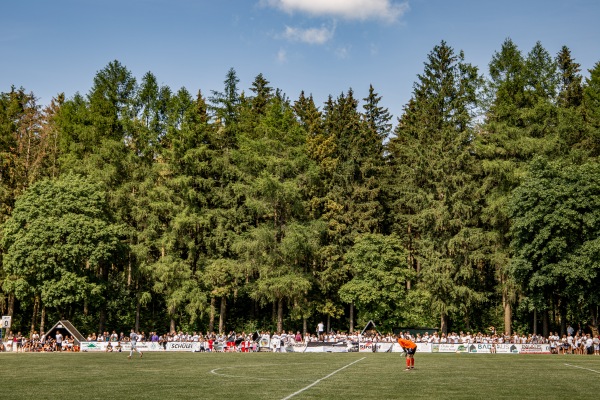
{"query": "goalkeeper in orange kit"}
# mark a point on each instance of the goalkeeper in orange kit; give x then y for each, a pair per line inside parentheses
(410, 348)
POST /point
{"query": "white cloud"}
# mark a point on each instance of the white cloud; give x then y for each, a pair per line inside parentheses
(387, 10)
(310, 35)
(282, 56)
(342, 52)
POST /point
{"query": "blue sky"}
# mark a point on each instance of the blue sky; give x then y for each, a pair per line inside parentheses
(323, 47)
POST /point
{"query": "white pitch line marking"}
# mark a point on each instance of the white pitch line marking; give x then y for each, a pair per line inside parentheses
(322, 379)
(587, 369)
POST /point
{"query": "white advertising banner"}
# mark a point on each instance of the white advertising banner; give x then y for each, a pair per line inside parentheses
(183, 346)
(294, 348)
(365, 347)
(480, 348)
(448, 348)
(422, 347)
(125, 346)
(313, 349)
(534, 349)
(326, 348)
(384, 347)
(507, 348)
(379, 347)
(93, 346)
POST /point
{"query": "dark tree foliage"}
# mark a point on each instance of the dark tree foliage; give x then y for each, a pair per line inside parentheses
(435, 210)
(139, 206)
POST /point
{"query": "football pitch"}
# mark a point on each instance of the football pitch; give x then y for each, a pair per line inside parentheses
(62, 376)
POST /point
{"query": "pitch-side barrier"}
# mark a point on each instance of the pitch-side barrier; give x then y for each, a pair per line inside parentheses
(339, 347)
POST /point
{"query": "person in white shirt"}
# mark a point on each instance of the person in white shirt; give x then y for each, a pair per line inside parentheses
(276, 343)
(570, 343)
(589, 344)
(133, 339)
(59, 340)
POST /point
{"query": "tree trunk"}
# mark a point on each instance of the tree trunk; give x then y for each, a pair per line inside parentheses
(594, 320)
(222, 314)
(172, 325)
(43, 321)
(211, 315)
(507, 312)
(280, 315)
(351, 318)
(545, 324)
(129, 270)
(535, 322)
(563, 317)
(138, 309)
(410, 256)
(304, 326)
(102, 320)
(36, 306)
(444, 323)
(11, 305)
(104, 270)
(328, 323)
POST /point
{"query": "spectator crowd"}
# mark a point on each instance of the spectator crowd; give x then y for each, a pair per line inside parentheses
(570, 343)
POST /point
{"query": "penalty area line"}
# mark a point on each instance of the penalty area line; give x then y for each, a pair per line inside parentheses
(587, 369)
(322, 379)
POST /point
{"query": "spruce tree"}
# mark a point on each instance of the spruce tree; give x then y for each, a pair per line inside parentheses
(520, 123)
(273, 161)
(435, 211)
(572, 138)
(591, 103)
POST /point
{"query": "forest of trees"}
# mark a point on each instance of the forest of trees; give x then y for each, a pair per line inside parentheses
(135, 206)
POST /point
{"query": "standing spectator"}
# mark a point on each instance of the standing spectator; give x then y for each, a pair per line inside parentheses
(18, 340)
(589, 344)
(320, 330)
(9, 341)
(59, 339)
(276, 343)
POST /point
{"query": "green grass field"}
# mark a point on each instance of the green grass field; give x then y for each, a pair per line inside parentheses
(62, 376)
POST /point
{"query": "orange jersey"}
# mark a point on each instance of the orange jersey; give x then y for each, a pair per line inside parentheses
(407, 344)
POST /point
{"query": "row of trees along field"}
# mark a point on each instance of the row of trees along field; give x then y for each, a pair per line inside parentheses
(137, 206)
